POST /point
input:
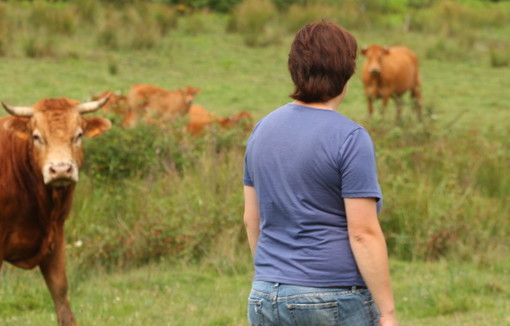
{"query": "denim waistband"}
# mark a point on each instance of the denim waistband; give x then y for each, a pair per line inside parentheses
(268, 289)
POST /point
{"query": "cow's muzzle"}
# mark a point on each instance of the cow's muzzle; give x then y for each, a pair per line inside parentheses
(375, 70)
(60, 174)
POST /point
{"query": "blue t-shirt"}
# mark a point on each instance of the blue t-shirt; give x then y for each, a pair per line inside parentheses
(302, 161)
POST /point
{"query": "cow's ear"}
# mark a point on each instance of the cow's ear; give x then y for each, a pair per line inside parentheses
(386, 50)
(18, 126)
(364, 50)
(96, 126)
(193, 91)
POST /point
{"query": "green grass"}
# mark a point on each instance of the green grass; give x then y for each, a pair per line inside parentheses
(439, 294)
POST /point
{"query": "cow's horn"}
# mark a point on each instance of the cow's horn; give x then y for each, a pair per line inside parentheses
(19, 111)
(88, 107)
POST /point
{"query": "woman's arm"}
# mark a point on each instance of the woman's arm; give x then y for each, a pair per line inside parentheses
(251, 216)
(369, 248)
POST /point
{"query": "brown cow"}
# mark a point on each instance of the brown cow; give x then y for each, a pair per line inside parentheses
(40, 154)
(391, 72)
(156, 104)
(200, 118)
(118, 105)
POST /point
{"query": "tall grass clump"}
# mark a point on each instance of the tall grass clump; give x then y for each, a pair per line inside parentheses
(137, 210)
(54, 19)
(194, 24)
(5, 35)
(108, 34)
(88, 11)
(136, 27)
(299, 15)
(166, 17)
(444, 192)
(40, 45)
(140, 30)
(499, 56)
(256, 20)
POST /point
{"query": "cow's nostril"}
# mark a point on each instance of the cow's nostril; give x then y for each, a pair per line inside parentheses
(61, 170)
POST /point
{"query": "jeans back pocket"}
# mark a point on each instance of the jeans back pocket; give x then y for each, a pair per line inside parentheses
(316, 314)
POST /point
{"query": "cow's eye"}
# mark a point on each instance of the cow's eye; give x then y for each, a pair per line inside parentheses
(37, 138)
(78, 137)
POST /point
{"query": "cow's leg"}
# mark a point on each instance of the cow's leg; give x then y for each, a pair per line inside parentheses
(370, 106)
(417, 102)
(54, 271)
(398, 104)
(385, 100)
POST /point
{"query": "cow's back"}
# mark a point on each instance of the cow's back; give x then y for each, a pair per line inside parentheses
(400, 69)
(140, 94)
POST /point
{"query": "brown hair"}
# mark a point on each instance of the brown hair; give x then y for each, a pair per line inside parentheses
(322, 59)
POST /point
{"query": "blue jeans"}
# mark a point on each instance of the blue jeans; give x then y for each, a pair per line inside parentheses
(272, 304)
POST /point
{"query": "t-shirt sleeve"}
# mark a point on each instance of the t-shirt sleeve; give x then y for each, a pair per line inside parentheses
(358, 167)
(247, 181)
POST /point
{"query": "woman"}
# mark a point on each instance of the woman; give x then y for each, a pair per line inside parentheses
(312, 198)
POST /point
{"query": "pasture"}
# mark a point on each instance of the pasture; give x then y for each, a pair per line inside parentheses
(156, 236)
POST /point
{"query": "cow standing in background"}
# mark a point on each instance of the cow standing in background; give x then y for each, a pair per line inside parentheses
(158, 105)
(40, 155)
(391, 72)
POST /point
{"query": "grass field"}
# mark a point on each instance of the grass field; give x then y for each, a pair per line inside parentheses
(446, 182)
(440, 294)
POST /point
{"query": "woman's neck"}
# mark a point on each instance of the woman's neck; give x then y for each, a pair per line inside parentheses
(317, 105)
(332, 104)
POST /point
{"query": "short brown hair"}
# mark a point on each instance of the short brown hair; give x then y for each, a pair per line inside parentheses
(322, 59)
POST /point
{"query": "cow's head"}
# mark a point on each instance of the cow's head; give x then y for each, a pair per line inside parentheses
(189, 94)
(375, 55)
(54, 129)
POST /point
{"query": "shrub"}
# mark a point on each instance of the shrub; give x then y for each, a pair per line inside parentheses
(256, 21)
(87, 10)
(447, 49)
(107, 35)
(54, 19)
(298, 15)
(442, 197)
(148, 193)
(39, 45)
(122, 153)
(165, 17)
